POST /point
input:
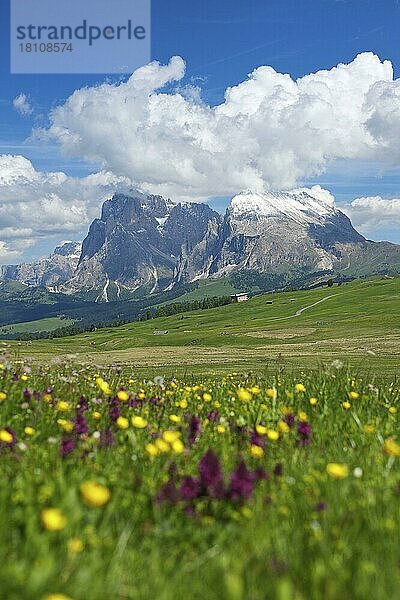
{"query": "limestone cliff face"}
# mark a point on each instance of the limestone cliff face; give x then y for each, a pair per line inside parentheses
(147, 243)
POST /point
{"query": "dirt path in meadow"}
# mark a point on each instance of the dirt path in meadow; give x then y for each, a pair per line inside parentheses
(299, 312)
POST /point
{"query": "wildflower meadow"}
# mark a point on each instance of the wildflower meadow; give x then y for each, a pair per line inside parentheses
(231, 487)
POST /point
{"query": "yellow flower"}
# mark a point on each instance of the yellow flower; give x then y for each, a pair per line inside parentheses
(161, 445)
(123, 396)
(346, 405)
(53, 519)
(139, 422)
(103, 386)
(24, 377)
(207, 397)
(354, 395)
(178, 446)
(3, 396)
(244, 395)
(369, 429)
(5, 436)
(151, 449)
(56, 597)
(47, 397)
(171, 436)
(221, 428)
(283, 426)
(141, 395)
(122, 423)
(174, 418)
(67, 426)
(183, 403)
(95, 494)
(313, 401)
(29, 430)
(62, 406)
(261, 430)
(96, 415)
(337, 471)
(392, 410)
(271, 393)
(255, 389)
(391, 447)
(299, 387)
(272, 434)
(75, 546)
(302, 416)
(256, 451)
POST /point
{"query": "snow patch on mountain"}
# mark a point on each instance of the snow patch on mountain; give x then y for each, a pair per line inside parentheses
(304, 205)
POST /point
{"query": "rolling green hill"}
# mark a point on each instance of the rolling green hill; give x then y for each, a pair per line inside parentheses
(358, 322)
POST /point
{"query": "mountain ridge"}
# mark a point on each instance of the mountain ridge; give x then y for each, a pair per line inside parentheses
(149, 244)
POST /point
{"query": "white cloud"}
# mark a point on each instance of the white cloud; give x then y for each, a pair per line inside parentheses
(270, 132)
(374, 214)
(7, 255)
(22, 105)
(36, 205)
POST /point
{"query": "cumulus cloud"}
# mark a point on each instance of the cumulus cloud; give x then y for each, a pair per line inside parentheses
(374, 214)
(270, 132)
(154, 132)
(7, 255)
(22, 105)
(36, 205)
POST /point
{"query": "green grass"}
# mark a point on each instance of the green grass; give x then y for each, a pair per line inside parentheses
(301, 534)
(48, 324)
(208, 289)
(358, 324)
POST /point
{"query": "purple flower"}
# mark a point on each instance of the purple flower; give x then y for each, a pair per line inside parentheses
(67, 446)
(260, 473)
(114, 412)
(168, 493)
(213, 415)
(217, 491)
(210, 469)
(134, 403)
(27, 393)
(257, 440)
(290, 419)
(82, 405)
(194, 428)
(304, 430)
(81, 425)
(190, 488)
(320, 506)
(278, 471)
(242, 483)
(106, 438)
(155, 400)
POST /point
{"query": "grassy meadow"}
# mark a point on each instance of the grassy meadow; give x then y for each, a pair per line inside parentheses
(357, 322)
(250, 453)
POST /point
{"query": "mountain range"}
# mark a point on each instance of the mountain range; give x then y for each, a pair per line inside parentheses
(145, 244)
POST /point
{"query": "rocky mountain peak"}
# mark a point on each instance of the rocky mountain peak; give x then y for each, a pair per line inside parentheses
(147, 242)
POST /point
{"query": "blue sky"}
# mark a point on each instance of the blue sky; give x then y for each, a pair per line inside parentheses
(221, 43)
